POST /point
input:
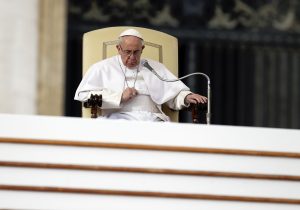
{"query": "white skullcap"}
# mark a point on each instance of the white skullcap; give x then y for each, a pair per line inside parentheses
(131, 32)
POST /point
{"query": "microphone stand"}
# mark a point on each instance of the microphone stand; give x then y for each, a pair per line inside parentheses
(208, 114)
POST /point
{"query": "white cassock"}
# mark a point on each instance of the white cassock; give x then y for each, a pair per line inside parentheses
(110, 77)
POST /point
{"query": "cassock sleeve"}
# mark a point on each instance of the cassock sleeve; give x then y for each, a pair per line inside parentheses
(177, 103)
(172, 93)
(91, 84)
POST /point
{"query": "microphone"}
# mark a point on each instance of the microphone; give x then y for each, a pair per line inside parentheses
(146, 64)
(208, 114)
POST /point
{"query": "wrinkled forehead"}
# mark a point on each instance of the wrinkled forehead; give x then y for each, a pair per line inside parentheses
(131, 41)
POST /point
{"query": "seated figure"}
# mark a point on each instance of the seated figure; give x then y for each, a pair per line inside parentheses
(130, 90)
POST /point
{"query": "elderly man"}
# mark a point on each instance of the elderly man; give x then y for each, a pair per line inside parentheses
(129, 90)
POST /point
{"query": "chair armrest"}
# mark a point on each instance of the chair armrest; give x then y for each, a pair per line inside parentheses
(196, 109)
(94, 102)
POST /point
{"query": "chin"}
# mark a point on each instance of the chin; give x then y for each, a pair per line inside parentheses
(132, 65)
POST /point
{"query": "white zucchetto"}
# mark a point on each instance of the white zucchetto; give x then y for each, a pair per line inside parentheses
(131, 32)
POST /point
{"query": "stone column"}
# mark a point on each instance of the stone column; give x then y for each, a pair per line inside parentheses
(52, 54)
(32, 56)
(18, 56)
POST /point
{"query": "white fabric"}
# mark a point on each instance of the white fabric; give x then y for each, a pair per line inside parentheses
(140, 102)
(135, 115)
(107, 78)
(131, 32)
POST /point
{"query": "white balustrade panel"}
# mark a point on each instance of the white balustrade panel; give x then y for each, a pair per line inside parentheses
(164, 134)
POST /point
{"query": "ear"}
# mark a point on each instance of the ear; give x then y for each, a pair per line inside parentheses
(118, 48)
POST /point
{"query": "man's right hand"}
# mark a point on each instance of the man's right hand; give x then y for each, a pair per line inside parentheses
(128, 94)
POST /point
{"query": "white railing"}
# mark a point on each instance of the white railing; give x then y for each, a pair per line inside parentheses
(74, 163)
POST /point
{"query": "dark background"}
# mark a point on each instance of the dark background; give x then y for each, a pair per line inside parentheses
(249, 49)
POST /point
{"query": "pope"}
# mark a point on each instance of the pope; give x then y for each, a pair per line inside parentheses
(129, 90)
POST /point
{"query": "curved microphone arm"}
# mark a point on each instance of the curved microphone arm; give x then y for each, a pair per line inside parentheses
(208, 114)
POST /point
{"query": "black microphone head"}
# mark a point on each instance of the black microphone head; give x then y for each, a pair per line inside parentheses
(146, 64)
(143, 62)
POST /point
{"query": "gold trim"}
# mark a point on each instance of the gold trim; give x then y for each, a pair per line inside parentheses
(101, 144)
(150, 194)
(150, 170)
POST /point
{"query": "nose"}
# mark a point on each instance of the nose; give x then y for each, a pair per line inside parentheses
(131, 55)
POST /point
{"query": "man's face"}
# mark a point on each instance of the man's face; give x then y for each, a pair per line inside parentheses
(130, 50)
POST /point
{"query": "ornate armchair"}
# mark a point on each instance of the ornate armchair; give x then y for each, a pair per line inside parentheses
(100, 44)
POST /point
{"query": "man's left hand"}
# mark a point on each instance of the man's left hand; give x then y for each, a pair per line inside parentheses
(195, 99)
